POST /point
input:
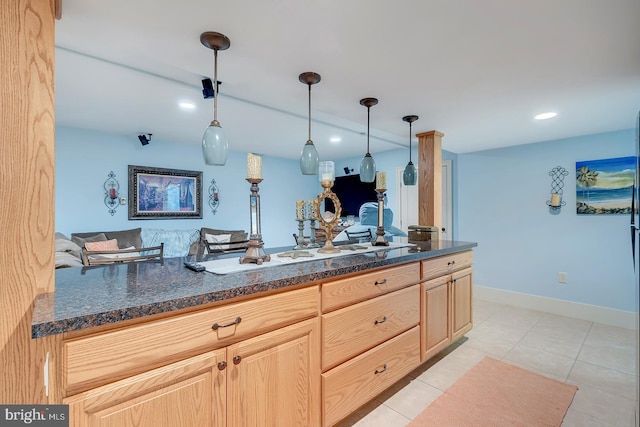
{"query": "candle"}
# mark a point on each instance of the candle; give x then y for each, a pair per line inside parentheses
(381, 180)
(300, 209)
(254, 166)
(112, 193)
(555, 199)
(310, 210)
(326, 171)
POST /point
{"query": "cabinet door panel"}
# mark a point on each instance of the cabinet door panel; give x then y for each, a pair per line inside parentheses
(187, 393)
(461, 283)
(274, 378)
(436, 330)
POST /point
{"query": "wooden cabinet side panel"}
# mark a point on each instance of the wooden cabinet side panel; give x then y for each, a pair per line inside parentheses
(191, 392)
(274, 379)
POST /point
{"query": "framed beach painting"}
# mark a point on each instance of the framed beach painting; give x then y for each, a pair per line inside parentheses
(160, 193)
(605, 186)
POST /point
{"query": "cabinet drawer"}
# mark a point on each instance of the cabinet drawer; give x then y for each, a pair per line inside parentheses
(341, 293)
(98, 359)
(446, 264)
(352, 330)
(352, 384)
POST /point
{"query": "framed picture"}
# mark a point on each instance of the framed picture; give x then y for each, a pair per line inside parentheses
(605, 186)
(158, 193)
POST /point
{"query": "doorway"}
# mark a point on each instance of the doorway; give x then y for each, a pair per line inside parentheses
(408, 202)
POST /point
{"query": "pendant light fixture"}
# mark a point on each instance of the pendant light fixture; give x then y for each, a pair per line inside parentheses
(367, 165)
(215, 146)
(410, 175)
(309, 154)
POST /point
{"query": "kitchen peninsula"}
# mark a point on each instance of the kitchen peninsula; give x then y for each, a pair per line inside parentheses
(298, 344)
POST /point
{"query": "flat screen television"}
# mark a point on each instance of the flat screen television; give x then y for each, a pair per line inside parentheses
(352, 193)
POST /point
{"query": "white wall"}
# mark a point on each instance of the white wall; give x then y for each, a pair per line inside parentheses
(522, 246)
(85, 158)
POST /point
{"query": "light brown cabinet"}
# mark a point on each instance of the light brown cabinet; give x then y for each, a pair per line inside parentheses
(304, 357)
(446, 302)
(248, 382)
(370, 336)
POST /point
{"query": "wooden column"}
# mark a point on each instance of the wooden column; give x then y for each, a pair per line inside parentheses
(27, 180)
(430, 178)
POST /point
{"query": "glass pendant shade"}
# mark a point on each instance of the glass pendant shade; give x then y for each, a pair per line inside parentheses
(410, 176)
(309, 159)
(309, 155)
(367, 169)
(215, 146)
(367, 165)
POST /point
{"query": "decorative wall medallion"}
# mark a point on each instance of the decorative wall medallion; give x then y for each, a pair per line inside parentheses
(214, 196)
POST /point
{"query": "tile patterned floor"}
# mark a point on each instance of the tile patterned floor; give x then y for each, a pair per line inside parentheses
(600, 359)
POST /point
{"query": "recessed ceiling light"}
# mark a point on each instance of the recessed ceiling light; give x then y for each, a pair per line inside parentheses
(335, 139)
(187, 105)
(545, 116)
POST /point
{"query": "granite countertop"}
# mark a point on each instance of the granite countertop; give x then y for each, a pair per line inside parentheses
(91, 296)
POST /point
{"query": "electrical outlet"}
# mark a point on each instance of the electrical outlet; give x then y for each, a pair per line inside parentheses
(563, 277)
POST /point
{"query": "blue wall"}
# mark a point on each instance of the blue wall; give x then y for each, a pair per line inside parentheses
(85, 158)
(522, 246)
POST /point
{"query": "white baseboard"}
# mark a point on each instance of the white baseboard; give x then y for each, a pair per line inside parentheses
(593, 313)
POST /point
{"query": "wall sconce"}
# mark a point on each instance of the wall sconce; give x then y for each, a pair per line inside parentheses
(111, 193)
(214, 196)
(557, 175)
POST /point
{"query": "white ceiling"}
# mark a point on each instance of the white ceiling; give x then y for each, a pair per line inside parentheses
(476, 70)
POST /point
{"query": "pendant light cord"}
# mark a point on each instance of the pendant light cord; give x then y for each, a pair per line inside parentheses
(410, 142)
(215, 85)
(309, 111)
(368, 110)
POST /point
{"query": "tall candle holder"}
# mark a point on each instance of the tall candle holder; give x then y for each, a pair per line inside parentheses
(327, 220)
(381, 187)
(255, 248)
(300, 242)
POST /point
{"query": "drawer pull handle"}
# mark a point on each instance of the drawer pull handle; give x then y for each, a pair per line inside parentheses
(380, 283)
(451, 262)
(384, 368)
(222, 365)
(237, 359)
(377, 322)
(217, 326)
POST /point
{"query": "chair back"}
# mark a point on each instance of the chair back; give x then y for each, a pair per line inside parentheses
(122, 255)
(359, 235)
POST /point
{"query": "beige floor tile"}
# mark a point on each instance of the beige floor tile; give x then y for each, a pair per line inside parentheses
(516, 317)
(551, 344)
(377, 416)
(563, 327)
(620, 358)
(497, 331)
(543, 361)
(411, 400)
(482, 310)
(603, 405)
(616, 382)
(607, 335)
(493, 346)
(575, 418)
